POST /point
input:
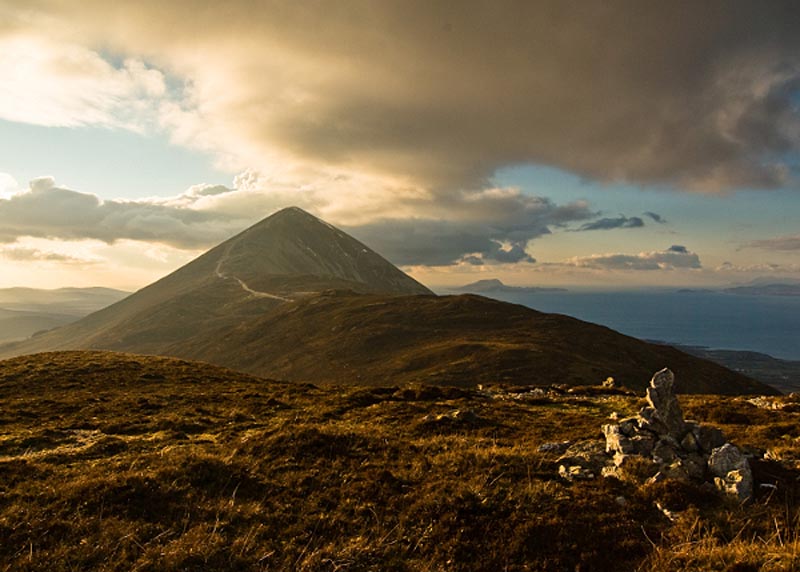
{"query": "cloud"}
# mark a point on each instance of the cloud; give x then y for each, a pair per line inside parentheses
(56, 83)
(689, 95)
(612, 223)
(25, 254)
(656, 217)
(47, 211)
(493, 227)
(675, 257)
(787, 242)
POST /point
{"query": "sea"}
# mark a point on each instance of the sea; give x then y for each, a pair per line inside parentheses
(716, 320)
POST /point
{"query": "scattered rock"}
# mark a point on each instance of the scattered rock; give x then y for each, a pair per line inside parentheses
(456, 416)
(673, 447)
(582, 460)
(616, 441)
(557, 448)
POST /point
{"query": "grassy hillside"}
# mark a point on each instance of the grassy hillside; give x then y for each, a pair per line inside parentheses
(123, 462)
(341, 337)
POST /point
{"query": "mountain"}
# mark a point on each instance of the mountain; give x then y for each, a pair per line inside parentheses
(493, 285)
(287, 256)
(295, 298)
(26, 311)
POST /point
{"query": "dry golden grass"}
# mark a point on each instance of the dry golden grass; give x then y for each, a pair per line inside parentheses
(121, 462)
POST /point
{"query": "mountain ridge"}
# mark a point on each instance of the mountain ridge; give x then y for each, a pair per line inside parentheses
(292, 297)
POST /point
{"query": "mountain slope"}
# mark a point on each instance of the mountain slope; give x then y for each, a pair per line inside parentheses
(342, 337)
(287, 255)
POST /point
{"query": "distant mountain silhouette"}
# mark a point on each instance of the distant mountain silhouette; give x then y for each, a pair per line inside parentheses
(28, 311)
(295, 298)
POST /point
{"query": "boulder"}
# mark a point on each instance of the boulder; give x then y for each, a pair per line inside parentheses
(736, 483)
(731, 471)
(664, 416)
(665, 451)
(708, 438)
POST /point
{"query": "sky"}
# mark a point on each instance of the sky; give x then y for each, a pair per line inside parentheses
(613, 144)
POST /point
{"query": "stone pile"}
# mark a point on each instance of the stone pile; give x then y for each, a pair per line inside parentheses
(679, 449)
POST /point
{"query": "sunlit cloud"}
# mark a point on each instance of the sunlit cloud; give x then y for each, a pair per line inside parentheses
(8, 185)
(27, 254)
(675, 257)
(54, 83)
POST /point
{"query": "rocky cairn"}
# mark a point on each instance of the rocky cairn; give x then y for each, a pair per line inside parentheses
(679, 449)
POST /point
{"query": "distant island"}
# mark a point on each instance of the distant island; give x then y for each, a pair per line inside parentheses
(771, 289)
(494, 286)
(785, 289)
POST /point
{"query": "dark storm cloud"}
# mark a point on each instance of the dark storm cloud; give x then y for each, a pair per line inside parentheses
(500, 235)
(613, 223)
(695, 95)
(678, 248)
(656, 217)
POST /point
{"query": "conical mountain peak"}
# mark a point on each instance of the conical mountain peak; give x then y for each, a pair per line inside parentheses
(293, 242)
(285, 257)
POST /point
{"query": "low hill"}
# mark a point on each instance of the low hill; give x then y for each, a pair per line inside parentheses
(18, 325)
(343, 337)
(68, 301)
(781, 374)
(124, 462)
